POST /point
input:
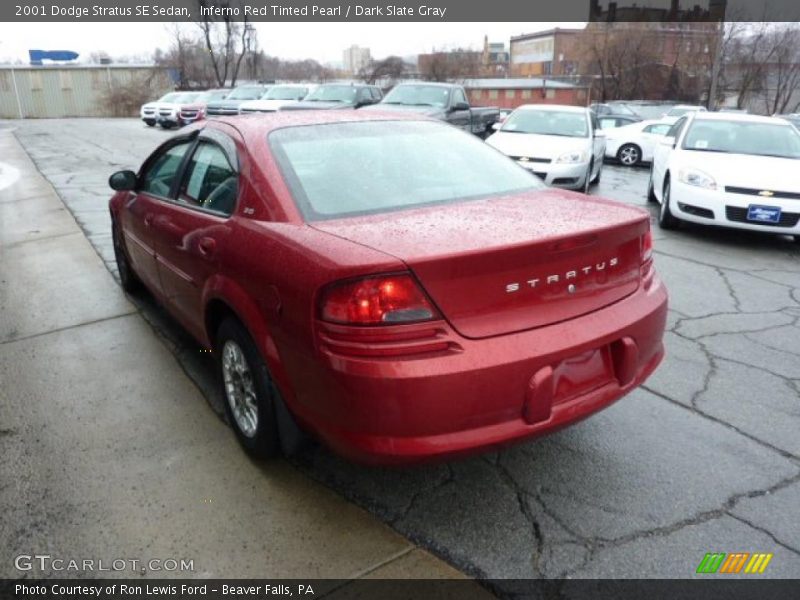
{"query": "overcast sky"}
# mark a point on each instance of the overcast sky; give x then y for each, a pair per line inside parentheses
(321, 41)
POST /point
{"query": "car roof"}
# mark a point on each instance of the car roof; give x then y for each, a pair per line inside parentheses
(259, 126)
(559, 107)
(427, 83)
(738, 117)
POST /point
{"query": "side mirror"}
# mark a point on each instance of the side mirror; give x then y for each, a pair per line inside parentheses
(497, 126)
(460, 106)
(122, 181)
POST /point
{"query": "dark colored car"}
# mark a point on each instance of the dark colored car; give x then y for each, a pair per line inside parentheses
(443, 101)
(389, 284)
(333, 96)
(229, 105)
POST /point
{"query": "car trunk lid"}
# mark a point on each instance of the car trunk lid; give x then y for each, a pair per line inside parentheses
(514, 262)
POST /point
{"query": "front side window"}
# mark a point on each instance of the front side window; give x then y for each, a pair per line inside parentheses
(547, 122)
(160, 174)
(459, 97)
(210, 181)
(346, 169)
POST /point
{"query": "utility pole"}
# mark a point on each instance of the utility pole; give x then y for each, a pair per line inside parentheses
(716, 66)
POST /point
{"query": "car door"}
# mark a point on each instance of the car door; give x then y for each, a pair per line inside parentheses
(194, 225)
(461, 115)
(155, 183)
(662, 151)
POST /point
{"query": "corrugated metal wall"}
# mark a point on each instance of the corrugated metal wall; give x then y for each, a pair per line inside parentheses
(51, 92)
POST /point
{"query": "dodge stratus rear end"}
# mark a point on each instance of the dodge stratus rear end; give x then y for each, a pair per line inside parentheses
(458, 304)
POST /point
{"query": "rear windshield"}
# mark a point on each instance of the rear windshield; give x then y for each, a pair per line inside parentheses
(347, 169)
(333, 93)
(418, 95)
(547, 122)
(743, 137)
(286, 93)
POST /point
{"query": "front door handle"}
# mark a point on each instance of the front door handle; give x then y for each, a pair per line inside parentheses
(207, 246)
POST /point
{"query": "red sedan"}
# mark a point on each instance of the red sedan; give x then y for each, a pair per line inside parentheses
(391, 285)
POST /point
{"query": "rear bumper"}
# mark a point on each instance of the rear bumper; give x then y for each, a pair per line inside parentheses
(489, 393)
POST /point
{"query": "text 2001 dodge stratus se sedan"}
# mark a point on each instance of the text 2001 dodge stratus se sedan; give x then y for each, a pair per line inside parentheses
(391, 285)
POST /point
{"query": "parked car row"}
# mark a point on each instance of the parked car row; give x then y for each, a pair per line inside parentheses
(446, 102)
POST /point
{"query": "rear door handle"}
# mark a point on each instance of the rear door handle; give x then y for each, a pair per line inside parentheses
(207, 246)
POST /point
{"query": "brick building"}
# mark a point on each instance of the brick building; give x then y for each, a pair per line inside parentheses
(513, 92)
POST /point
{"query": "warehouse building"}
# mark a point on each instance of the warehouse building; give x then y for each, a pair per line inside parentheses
(53, 91)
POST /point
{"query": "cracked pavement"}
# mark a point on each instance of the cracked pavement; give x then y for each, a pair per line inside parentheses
(704, 457)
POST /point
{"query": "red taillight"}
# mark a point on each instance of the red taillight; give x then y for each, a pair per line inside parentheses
(647, 246)
(385, 299)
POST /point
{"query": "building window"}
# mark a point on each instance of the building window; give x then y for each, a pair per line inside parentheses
(547, 67)
(493, 94)
(510, 94)
(526, 94)
(36, 80)
(476, 94)
(66, 80)
(550, 94)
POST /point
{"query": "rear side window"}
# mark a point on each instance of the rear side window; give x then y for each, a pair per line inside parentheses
(210, 182)
(160, 174)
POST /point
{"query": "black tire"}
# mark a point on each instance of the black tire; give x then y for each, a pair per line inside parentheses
(150, 123)
(651, 193)
(666, 220)
(263, 441)
(629, 155)
(128, 279)
(596, 180)
(588, 179)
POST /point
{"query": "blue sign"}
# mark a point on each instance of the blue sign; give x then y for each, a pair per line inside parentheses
(37, 56)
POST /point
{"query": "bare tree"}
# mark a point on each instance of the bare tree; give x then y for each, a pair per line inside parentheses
(783, 72)
(622, 60)
(225, 39)
(391, 68)
(450, 65)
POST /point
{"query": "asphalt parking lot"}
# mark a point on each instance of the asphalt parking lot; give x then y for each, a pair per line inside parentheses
(705, 457)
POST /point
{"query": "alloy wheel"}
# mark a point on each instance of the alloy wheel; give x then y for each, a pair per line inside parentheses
(239, 388)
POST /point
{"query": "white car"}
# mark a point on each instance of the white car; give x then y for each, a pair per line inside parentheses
(730, 170)
(633, 144)
(276, 98)
(150, 112)
(560, 144)
(679, 110)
